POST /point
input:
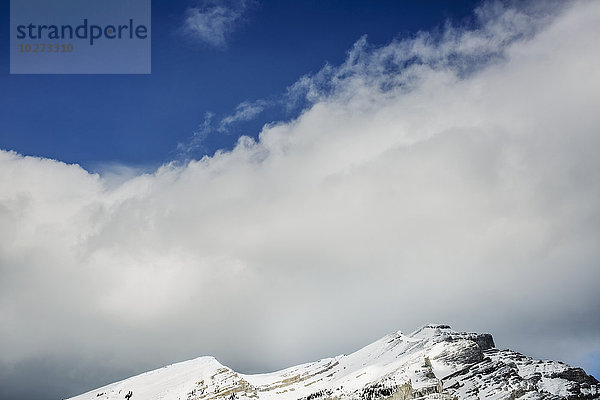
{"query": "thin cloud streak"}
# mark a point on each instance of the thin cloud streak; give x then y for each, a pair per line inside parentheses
(244, 111)
(198, 139)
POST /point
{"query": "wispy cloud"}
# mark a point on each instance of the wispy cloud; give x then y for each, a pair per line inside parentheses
(245, 111)
(211, 22)
(198, 139)
(402, 63)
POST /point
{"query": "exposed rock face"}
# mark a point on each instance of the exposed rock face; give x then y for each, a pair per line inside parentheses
(434, 362)
(505, 370)
(485, 341)
(576, 375)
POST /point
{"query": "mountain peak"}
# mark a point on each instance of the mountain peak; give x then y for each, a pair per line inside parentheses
(432, 330)
(434, 362)
(437, 326)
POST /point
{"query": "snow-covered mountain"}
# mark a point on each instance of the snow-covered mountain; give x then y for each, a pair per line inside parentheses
(434, 362)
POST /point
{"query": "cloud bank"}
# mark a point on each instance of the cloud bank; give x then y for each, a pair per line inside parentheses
(450, 178)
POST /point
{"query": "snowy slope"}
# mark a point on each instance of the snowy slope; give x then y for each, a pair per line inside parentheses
(434, 362)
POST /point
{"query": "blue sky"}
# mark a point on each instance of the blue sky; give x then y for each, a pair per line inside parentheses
(391, 150)
(139, 120)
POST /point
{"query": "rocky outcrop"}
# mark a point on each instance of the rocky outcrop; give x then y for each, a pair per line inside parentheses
(515, 375)
(485, 341)
(575, 375)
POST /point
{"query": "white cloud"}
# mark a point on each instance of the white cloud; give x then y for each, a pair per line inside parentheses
(196, 142)
(245, 111)
(211, 22)
(416, 188)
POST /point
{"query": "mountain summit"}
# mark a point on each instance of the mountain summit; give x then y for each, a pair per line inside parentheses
(434, 362)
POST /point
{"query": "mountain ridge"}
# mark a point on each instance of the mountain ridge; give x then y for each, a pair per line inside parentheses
(433, 362)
